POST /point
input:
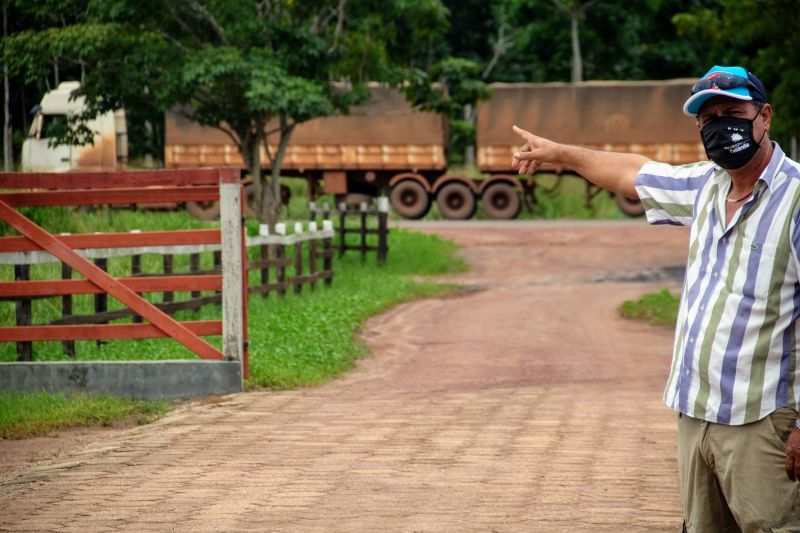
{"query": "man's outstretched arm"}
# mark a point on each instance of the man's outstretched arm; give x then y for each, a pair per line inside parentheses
(613, 171)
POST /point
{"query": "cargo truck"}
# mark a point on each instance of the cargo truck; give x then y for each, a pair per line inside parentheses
(107, 151)
(386, 147)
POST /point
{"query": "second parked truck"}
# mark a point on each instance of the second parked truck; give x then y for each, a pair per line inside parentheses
(386, 147)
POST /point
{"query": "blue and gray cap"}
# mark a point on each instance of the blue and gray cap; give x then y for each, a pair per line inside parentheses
(733, 82)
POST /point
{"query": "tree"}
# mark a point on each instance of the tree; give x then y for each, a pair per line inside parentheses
(8, 149)
(766, 40)
(254, 69)
(575, 9)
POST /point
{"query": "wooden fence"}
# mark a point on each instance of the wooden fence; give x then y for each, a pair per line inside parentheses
(46, 189)
(284, 263)
(368, 222)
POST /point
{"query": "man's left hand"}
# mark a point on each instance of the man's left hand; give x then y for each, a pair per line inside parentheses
(793, 455)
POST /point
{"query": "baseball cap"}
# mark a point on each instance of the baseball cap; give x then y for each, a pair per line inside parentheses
(733, 82)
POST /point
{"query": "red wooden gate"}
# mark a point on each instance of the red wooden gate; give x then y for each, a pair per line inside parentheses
(199, 185)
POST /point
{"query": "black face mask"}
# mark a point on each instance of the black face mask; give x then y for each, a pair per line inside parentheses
(729, 141)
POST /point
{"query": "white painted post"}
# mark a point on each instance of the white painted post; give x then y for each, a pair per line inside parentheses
(298, 227)
(280, 228)
(263, 230)
(312, 227)
(383, 204)
(231, 228)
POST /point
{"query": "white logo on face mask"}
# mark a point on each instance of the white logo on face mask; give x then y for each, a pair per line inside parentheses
(736, 137)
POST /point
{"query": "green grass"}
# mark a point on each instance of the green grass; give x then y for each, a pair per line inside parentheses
(34, 414)
(656, 308)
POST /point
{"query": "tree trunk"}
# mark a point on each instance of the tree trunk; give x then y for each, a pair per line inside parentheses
(270, 194)
(469, 151)
(8, 148)
(577, 62)
(250, 142)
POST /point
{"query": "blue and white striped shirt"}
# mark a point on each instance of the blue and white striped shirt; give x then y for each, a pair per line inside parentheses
(736, 339)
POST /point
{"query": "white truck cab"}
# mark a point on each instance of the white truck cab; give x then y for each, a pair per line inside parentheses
(109, 150)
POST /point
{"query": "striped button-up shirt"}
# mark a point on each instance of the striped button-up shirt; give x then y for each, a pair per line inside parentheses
(736, 339)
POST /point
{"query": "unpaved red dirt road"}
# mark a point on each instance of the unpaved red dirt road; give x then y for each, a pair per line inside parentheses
(524, 404)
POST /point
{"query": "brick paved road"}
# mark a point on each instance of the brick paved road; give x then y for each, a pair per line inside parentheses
(527, 405)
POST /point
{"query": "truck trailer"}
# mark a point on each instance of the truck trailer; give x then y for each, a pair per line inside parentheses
(386, 147)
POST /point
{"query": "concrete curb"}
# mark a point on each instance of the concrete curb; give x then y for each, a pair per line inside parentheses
(146, 380)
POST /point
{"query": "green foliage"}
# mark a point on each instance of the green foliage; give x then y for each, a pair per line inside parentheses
(763, 36)
(35, 414)
(656, 308)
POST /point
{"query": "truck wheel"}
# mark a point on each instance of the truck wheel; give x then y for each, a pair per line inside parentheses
(203, 210)
(632, 208)
(410, 199)
(501, 201)
(456, 201)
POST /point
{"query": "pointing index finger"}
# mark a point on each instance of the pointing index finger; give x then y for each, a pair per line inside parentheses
(522, 133)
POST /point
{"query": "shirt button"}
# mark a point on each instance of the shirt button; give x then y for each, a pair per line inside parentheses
(687, 371)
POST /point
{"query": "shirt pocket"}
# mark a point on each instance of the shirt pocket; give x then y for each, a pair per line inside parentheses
(757, 262)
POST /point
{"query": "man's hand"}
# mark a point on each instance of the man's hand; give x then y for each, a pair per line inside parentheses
(534, 152)
(793, 455)
(613, 171)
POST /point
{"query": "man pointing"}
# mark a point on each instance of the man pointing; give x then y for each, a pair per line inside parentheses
(734, 380)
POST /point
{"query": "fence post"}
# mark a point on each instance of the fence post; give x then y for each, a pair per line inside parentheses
(263, 231)
(298, 260)
(66, 310)
(101, 300)
(312, 208)
(23, 312)
(383, 228)
(230, 202)
(327, 262)
(312, 256)
(194, 268)
(136, 270)
(342, 231)
(363, 208)
(280, 256)
(166, 260)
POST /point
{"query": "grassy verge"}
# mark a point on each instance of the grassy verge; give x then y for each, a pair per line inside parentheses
(656, 308)
(30, 415)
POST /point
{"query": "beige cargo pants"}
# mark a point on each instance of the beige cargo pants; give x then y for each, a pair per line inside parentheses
(733, 478)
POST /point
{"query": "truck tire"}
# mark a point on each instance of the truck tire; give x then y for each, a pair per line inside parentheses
(456, 201)
(629, 206)
(410, 199)
(501, 201)
(203, 210)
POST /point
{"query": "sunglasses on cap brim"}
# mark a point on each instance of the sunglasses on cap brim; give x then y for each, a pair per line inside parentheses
(723, 81)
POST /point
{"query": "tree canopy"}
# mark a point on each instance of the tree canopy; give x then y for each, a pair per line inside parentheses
(239, 64)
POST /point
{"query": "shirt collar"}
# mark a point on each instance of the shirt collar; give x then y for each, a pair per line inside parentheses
(767, 176)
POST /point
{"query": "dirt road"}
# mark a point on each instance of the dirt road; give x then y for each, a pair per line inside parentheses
(525, 404)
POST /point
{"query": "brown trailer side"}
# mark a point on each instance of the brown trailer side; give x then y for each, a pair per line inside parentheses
(644, 117)
(381, 143)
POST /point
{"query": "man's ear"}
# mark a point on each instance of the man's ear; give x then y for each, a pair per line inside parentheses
(766, 115)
